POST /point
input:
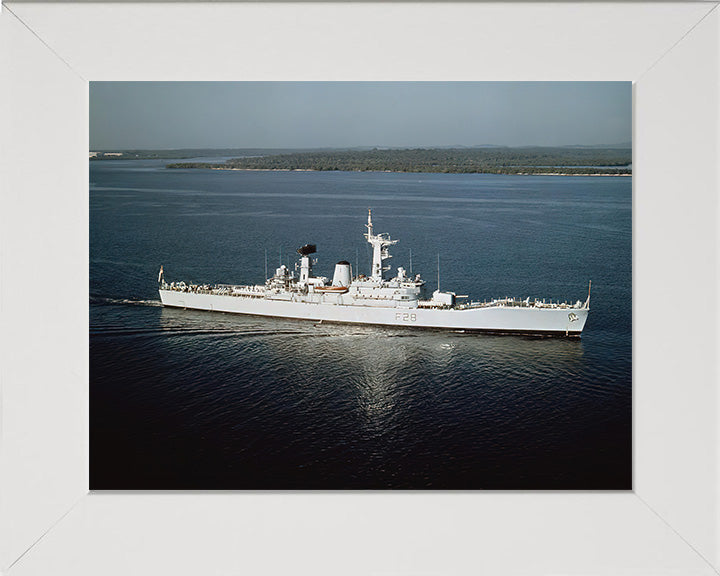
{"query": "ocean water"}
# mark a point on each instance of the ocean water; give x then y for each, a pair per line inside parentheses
(182, 399)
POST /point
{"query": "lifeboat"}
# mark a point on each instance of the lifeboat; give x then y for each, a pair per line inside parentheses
(332, 289)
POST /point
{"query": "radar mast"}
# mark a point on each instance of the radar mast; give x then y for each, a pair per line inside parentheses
(380, 243)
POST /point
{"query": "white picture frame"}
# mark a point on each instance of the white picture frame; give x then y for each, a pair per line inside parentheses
(49, 523)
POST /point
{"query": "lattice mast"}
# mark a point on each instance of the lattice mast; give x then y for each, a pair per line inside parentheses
(380, 243)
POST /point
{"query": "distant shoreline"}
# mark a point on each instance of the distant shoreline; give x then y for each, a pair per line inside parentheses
(224, 168)
(509, 161)
(524, 161)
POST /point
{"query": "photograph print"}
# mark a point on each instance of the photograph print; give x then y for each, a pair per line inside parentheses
(360, 285)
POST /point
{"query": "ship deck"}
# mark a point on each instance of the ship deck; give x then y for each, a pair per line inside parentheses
(259, 292)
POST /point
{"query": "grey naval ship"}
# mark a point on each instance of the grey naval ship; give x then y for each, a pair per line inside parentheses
(376, 299)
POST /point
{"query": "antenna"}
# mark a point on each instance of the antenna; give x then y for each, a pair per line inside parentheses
(410, 261)
(438, 271)
(280, 256)
(357, 261)
(587, 302)
(266, 264)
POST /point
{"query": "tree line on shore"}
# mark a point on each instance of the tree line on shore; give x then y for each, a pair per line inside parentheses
(441, 160)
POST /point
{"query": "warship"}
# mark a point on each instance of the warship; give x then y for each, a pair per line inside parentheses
(376, 300)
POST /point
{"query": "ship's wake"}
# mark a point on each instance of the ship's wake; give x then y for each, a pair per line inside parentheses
(124, 301)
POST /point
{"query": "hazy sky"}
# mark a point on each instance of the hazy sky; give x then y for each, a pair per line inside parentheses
(346, 114)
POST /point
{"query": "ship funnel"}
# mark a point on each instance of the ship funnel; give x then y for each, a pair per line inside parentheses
(307, 249)
(342, 274)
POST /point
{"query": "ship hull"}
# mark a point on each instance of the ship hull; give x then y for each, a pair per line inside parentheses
(562, 322)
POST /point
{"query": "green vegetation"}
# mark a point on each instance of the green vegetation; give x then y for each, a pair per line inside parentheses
(494, 160)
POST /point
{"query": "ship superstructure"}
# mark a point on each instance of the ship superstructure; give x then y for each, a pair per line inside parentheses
(359, 299)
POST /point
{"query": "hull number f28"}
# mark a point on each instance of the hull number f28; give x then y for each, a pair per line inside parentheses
(405, 317)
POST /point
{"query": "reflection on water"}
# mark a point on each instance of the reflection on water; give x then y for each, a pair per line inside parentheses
(383, 395)
(341, 405)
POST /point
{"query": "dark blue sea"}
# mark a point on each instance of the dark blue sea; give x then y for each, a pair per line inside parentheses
(194, 400)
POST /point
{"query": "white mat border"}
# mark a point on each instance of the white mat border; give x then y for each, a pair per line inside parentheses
(689, 508)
